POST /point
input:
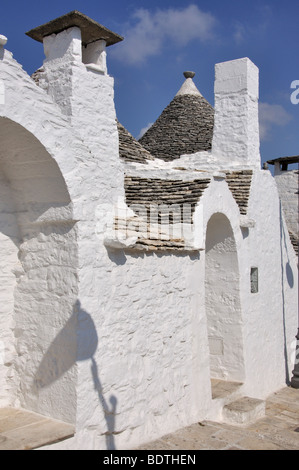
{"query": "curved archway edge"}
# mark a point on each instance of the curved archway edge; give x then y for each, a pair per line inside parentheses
(222, 299)
(40, 272)
(29, 106)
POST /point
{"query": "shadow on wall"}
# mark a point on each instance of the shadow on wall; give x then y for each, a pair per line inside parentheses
(83, 350)
(119, 257)
(286, 272)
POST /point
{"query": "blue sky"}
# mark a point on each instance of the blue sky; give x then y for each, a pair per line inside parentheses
(164, 38)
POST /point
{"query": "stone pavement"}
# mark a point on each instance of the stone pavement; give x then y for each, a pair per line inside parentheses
(25, 430)
(277, 430)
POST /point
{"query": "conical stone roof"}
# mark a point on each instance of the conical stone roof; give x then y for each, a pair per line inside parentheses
(184, 127)
(130, 149)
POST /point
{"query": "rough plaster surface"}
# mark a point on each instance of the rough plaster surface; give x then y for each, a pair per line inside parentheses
(9, 242)
(223, 308)
(117, 341)
(287, 183)
(236, 130)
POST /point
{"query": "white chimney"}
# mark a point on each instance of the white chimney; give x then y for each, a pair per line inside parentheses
(74, 74)
(236, 128)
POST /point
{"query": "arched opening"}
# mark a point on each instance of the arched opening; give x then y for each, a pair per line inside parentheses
(38, 273)
(222, 299)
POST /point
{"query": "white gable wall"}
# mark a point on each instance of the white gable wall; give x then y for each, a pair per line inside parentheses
(271, 315)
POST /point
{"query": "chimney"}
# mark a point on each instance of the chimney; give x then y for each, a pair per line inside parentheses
(71, 42)
(236, 127)
(74, 74)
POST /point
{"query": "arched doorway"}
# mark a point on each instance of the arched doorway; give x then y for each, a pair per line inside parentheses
(222, 299)
(38, 269)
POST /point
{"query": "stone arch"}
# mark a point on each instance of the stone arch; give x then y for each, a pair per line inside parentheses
(39, 270)
(222, 300)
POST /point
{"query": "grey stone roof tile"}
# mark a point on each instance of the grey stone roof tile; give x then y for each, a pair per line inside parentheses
(130, 150)
(184, 127)
(239, 182)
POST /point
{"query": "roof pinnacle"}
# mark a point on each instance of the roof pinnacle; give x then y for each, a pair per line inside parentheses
(3, 40)
(189, 74)
(188, 87)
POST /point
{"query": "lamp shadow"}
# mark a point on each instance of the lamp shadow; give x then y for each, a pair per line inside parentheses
(77, 341)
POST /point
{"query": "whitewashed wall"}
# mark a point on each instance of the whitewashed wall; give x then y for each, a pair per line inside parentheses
(44, 282)
(271, 315)
(287, 183)
(9, 263)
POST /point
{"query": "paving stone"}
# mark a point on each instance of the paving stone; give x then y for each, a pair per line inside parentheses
(8, 444)
(21, 429)
(235, 448)
(258, 443)
(15, 419)
(195, 431)
(275, 431)
(229, 436)
(39, 434)
(213, 444)
(179, 443)
(158, 445)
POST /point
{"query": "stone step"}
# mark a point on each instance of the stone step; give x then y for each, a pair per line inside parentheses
(224, 390)
(245, 410)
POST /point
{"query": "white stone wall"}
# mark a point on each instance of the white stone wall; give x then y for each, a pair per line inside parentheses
(287, 183)
(271, 315)
(45, 322)
(9, 264)
(44, 289)
(46, 279)
(160, 330)
(143, 321)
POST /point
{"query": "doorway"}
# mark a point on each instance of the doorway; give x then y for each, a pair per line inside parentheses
(222, 299)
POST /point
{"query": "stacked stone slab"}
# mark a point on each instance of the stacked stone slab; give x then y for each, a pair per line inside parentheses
(149, 192)
(164, 202)
(239, 183)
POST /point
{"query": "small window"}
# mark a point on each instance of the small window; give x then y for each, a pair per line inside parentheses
(254, 284)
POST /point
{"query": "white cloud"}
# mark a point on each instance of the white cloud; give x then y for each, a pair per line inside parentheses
(271, 115)
(148, 32)
(244, 31)
(240, 33)
(144, 129)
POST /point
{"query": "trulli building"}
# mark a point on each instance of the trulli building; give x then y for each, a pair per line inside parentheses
(136, 277)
